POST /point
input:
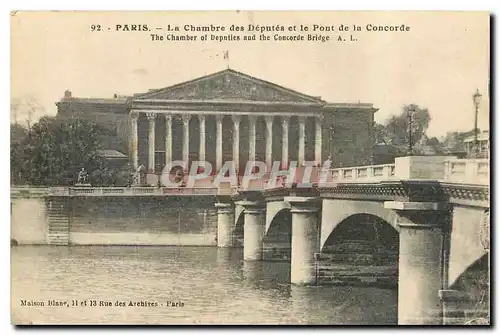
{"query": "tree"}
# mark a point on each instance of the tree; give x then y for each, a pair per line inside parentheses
(400, 130)
(453, 142)
(54, 151)
(24, 110)
(17, 133)
(17, 136)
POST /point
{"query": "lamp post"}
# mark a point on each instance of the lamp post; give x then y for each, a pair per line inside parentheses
(477, 99)
(410, 111)
(330, 140)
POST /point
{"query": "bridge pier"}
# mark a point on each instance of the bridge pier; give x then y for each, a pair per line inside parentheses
(225, 224)
(305, 239)
(253, 229)
(420, 262)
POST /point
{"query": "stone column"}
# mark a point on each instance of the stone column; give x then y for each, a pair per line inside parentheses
(225, 224)
(236, 141)
(168, 139)
(218, 148)
(302, 137)
(269, 141)
(285, 121)
(305, 238)
(251, 137)
(151, 141)
(318, 139)
(253, 230)
(202, 138)
(185, 138)
(420, 261)
(134, 117)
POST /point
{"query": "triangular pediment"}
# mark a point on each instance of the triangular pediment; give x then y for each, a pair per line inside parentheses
(228, 85)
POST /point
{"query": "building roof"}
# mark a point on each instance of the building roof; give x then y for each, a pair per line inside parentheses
(227, 85)
(116, 100)
(111, 154)
(222, 89)
(482, 136)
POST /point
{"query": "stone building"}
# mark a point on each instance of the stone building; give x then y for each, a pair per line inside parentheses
(229, 115)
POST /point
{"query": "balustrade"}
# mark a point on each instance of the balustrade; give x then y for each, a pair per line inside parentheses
(370, 173)
(469, 171)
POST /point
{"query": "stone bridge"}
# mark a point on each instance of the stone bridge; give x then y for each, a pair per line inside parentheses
(439, 211)
(434, 211)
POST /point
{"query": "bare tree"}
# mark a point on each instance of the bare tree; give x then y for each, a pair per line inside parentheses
(25, 110)
(14, 109)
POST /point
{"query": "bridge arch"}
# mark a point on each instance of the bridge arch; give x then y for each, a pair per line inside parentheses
(336, 211)
(273, 209)
(238, 231)
(474, 282)
(363, 248)
(277, 240)
(239, 212)
(367, 227)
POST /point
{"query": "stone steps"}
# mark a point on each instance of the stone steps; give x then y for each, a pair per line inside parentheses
(58, 227)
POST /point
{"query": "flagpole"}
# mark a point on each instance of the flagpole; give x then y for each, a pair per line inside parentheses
(226, 58)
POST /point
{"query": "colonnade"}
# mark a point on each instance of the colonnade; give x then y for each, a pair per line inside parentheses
(253, 133)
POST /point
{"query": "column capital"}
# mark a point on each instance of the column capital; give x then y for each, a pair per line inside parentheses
(224, 208)
(201, 117)
(252, 119)
(168, 116)
(320, 117)
(421, 215)
(151, 116)
(269, 119)
(304, 204)
(134, 115)
(252, 207)
(186, 118)
(219, 117)
(302, 119)
(236, 119)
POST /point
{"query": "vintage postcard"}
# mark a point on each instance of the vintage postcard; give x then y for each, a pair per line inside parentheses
(250, 168)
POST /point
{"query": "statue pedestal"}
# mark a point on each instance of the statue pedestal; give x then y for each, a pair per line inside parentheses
(83, 185)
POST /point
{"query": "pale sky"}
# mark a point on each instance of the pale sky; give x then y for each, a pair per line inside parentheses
(438, 64)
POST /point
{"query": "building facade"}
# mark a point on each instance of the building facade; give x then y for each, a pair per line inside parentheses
(481, 149)
(229, 115)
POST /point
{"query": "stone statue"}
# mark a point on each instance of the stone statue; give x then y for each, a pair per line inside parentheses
(82, 176)
(328, 163)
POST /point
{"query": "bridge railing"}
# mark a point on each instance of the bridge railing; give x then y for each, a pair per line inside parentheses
(439, 168)
(138, 191)
(29, 191)
(25, 191)
(363, 173)
(469, 171)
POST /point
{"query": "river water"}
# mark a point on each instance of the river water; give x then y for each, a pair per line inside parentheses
(210, 286)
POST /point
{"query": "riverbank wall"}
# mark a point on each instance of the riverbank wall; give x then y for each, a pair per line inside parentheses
(114, 221)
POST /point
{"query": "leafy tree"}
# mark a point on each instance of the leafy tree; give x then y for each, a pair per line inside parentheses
(454, 141)
(398, 130)
(433, 144)
(17, 135)
(54, 151)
